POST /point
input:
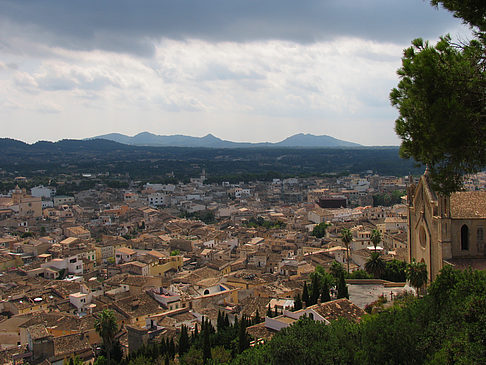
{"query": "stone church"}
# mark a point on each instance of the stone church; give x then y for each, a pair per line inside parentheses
(446, 230)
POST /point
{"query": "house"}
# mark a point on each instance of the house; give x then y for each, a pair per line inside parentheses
(78, 232)
(135, 268)
(63, 199)
(124, 254)
(321, 312)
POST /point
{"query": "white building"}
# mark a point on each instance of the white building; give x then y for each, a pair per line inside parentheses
(42, 191)
(158, 199)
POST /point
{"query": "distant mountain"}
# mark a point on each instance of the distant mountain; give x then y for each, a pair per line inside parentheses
(210, 141)
(310, 140)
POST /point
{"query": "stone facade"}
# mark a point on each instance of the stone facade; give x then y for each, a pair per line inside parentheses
(445, 229)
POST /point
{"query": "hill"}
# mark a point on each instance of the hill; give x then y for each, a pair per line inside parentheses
(210, 141)
(231, 164)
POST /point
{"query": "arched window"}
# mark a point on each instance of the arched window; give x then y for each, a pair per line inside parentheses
(464, 238)
(311, 316)
(206, 292)
(480, 235)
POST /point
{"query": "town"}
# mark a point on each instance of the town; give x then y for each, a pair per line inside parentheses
(166, 258)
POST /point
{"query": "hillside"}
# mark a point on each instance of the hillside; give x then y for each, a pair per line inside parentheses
(149, 139)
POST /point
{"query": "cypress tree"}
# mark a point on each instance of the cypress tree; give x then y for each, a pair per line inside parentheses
(305, 295)
(342, 288)
(243, 342)
(219, 322)
(297, 302)
(325, 296)
(172, 349)
(183, 341)
(257, 317)
(206, 345)
(269, 311)
(315, 290)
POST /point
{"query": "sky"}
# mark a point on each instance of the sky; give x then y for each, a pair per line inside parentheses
(246, 71)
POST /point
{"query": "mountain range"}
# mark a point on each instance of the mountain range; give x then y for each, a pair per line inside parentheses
(210, 141)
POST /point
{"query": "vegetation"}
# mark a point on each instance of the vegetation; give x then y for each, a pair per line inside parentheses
(206, 216)
(107, 328)
(261, 222)
(446, 326)
(375, 238)
(346, 237)
(208, 346)
(388, 199)
(375, 265)
(319, 230)
(157, 163)
(417, 274)
(175, 252)
(441, 101)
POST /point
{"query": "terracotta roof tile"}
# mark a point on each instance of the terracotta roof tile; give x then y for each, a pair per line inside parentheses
(468, 204)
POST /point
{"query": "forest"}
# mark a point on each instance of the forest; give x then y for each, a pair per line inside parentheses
(221, 164)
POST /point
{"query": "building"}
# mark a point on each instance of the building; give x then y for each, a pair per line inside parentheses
(446, 230)
(63, 199)
(42, 191)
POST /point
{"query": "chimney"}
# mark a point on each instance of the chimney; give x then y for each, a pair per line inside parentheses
(304, 305)
(319, 301)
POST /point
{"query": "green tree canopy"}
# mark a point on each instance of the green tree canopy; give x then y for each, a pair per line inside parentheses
(375, 238)
(319, 230)
(107, 328)
(441, 98)
(417, 274)
(375, 265)
(472, 12)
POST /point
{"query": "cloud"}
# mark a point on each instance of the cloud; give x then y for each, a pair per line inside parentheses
(133, 26)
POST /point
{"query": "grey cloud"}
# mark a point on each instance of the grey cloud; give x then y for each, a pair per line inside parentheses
(132, 26)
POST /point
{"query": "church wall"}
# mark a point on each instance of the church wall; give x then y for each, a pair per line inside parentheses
(476, 248)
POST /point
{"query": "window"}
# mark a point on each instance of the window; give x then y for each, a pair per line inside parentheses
(480, 234)
(464, 237)
(422, 237)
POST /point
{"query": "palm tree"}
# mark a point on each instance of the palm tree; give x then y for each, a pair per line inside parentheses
(375, 265)
(346, 237)
(107, 328)
(375, 237)
(417, 274)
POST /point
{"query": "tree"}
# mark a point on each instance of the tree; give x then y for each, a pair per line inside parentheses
(269, 311)
(315, 291)
(106, 326)
(375, 238)
(297, 302)
(375, 265)
(183, 341)
(346, 237)
(395, 270)
(417, 274)
(336, 269)
(243, 341)
(206, 345)
(342, 288)
(441, 99)
(319, 230)
(473, 12)
(305, 295)
(73, 361)
(325, 288)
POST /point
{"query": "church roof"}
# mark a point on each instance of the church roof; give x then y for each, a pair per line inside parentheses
(468, 204)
